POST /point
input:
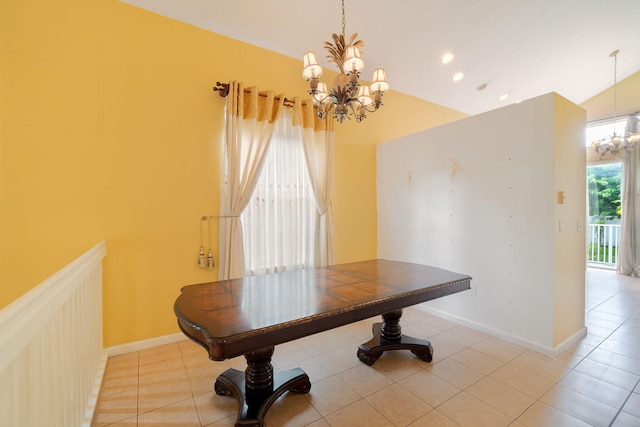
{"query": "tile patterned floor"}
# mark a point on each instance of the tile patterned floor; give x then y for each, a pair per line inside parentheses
(474, 379)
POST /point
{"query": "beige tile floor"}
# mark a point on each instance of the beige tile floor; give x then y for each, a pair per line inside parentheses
(474, 379)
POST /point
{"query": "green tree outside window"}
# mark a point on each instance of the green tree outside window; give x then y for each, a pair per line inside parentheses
(603, 182)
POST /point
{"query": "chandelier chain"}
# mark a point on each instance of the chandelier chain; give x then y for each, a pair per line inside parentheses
(344, 20)
(615, 90)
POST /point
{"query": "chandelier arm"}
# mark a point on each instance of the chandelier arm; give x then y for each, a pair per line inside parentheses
(322, 100)
(353, 104)
(371, 108)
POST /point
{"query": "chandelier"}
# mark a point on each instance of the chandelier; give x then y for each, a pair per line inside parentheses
(347, 97)
(615, 145)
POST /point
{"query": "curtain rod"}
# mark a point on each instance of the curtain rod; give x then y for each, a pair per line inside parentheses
(223, 89)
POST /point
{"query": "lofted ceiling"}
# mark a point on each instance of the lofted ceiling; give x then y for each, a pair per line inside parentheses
(525, 48)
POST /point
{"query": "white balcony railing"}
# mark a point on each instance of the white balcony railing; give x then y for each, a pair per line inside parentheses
(603, 244)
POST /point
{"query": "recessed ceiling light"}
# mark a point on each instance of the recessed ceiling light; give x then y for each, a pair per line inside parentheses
(447, 57)
(457, 77)
(503, 97)
(518, 101)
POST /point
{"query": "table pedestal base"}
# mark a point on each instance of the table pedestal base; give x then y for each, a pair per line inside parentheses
(258, 387)
(387, 336)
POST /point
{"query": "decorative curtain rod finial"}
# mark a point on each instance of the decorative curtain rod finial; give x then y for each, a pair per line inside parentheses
(223, 88)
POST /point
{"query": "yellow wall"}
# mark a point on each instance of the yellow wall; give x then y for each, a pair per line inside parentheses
(110, 130)
(570, 242)
(627, 96)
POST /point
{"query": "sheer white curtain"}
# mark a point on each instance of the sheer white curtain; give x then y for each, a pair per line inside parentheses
(280, 221)
(629, 254)
(249, 123)
(318, 148)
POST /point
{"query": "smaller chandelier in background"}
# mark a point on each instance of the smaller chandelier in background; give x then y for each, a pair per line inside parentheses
(347, 96)
(615, 145)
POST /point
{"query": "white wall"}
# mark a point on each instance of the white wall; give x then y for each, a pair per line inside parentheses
(479, 196)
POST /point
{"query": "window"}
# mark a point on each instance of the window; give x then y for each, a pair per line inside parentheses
(603, 184)
(279, 222)
(603, 189)
(604, 129)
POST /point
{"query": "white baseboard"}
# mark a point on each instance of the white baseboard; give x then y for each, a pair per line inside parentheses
(547, 351)
(522, 342)
(144, 344)
(570, 342)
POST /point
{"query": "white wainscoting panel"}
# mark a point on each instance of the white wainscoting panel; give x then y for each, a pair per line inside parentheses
(52, 357)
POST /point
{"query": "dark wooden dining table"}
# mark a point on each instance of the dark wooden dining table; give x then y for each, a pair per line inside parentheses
(251, 315)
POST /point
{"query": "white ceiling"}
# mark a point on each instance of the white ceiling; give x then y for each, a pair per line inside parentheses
(522, 47)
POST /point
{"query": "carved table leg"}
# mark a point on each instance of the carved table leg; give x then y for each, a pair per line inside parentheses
(388, 336)
(258, 386)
